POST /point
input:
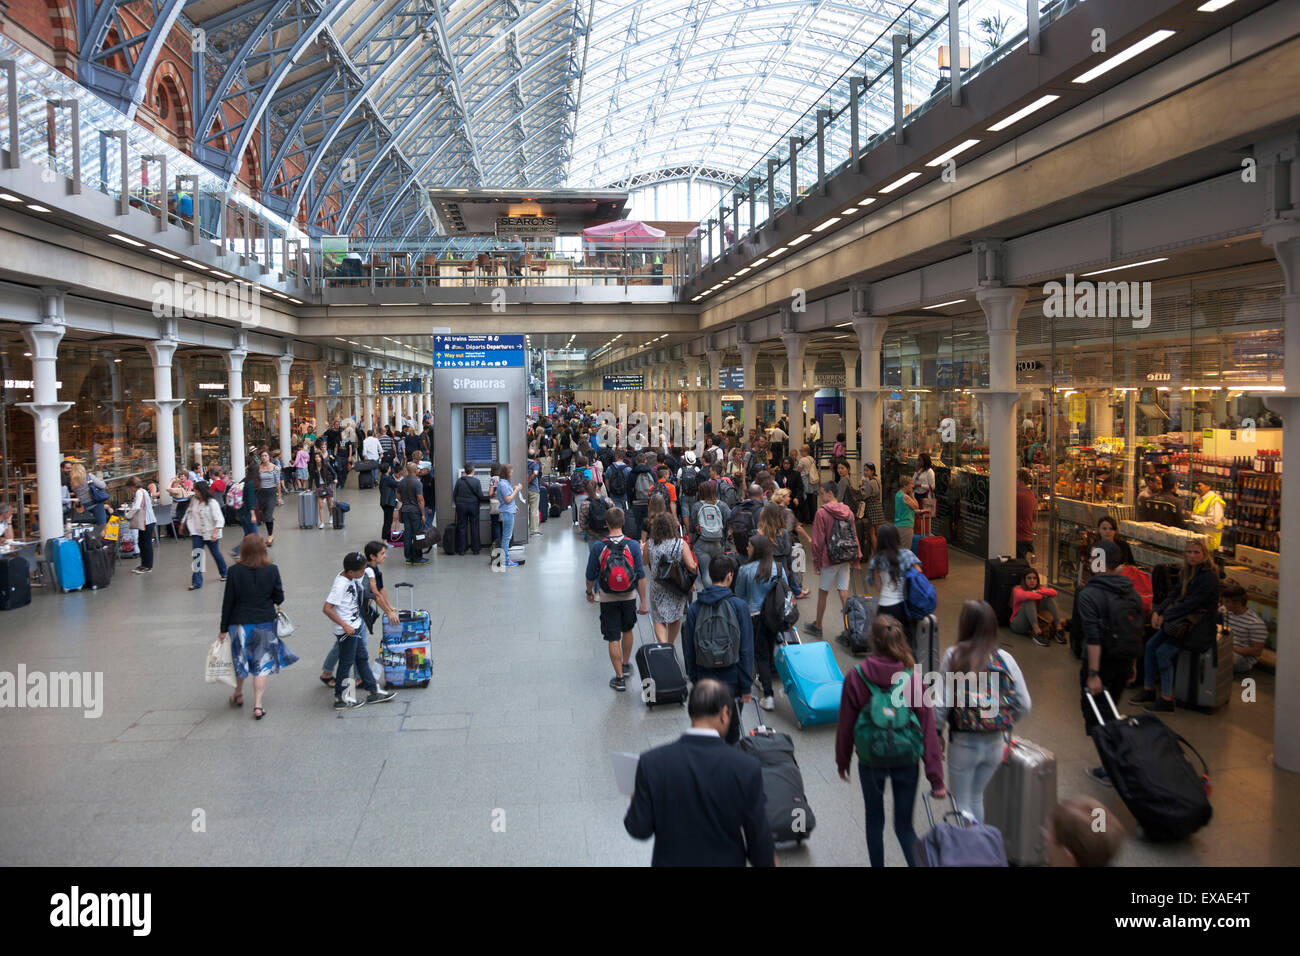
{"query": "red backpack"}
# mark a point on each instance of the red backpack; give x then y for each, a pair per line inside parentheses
(617, 574)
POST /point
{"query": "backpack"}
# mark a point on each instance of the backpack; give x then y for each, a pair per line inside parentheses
(660, 490)
(858, 616)
(779, 611)
(597, 508)
(616, 479)
(617, 575)
(690, 479)
(235, 496)
(578, 480)
(605, 455)
(973, 714)
(644, 482)
(742, 527)
(710, 522)
(919, 598)
(887, 735)
(1122, 638)
(842, 542)
(727, 492)
(717, 635)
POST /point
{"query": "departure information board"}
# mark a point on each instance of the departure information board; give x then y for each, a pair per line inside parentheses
(480, 438)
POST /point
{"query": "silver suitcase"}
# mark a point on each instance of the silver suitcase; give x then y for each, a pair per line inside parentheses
(927, 644)
(307, 509)
(1204, 680)
(1019, 799)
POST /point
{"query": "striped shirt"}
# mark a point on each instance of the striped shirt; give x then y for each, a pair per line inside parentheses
(1246, 629)
(386, 443)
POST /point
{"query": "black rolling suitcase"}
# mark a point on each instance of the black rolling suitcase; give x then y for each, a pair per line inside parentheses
(338, 517)
(788, 814)
(1001, 575)
(100, 560)
(1145, 761)
(15, 583)
(449, 540)
(662, 680)
(555, 496)
(365, 479)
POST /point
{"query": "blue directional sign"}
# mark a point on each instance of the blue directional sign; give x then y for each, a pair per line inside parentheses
(478, 351)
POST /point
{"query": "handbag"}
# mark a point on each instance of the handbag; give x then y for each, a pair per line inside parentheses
(283, 625)
(1179, 630)
(677, 575)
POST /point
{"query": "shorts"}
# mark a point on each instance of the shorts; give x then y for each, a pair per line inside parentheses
(834, 578)
(301, 473)
(617, 618)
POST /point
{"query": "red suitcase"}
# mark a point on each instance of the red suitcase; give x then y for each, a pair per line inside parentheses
(933, 552)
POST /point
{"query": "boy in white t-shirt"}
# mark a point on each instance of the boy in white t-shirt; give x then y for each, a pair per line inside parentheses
(343, 607)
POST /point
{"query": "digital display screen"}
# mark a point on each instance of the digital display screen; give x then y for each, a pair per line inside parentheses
(480, 433)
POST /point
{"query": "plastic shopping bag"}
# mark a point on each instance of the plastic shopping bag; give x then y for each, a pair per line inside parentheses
(219, 668)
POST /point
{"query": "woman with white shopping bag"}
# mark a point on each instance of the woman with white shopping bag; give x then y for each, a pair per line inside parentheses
(253, 623)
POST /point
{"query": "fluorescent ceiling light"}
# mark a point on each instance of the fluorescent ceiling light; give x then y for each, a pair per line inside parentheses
(940, 305)
(741, 272)
(127, 239)
(1212, 6)
(903, 181)
(37, 207)
(697, 298)
(866, 202)
(1131, 265)
(1021, 113)
(843, 325)
(223, 275)
(758, 261)
(194, 265)
(1137, 49)
(959, 148)
(776, 252)
(798, 239)
(827, 224)
(9, 197)
(851, 211)
(165, 254)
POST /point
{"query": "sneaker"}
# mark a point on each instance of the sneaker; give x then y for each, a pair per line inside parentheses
(1143, 696)
(1061, 637)
(420, 561)
(627, 670)
(1042, 641)
(380, 696)
(618, 683)
(139, 570)
(767, 703)
(341, 704)
(813, 629)
(512, 564)
(320, 525)
(1161, 706)
(1099, 775)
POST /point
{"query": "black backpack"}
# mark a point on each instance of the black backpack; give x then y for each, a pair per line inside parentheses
(1126, 626)
(596, 511)
(690, 479)
(742, 526)
(779, 611)
(616, 479)
(605, 455)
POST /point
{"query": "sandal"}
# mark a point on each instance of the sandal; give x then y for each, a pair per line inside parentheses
(328, 681)
(259, 713)
(236, 700)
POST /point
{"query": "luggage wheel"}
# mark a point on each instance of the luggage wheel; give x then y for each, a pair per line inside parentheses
(424, 683)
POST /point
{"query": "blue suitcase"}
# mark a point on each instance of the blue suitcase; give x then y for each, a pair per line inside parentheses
(405, 650)
(64, 556)
(813, 682)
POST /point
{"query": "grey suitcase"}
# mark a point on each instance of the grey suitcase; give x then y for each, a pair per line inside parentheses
(306, 509)
(1019, 799)
(927, 644)
(1204, 680)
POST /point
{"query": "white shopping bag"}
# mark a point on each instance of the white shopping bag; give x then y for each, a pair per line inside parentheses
(219, 669)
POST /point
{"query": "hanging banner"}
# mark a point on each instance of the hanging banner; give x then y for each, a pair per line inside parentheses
(1079, 408)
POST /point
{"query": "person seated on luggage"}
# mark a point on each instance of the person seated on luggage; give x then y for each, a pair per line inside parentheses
(701, 800)
(1106, 599)
(978, 707)
(1074, 837)
(725, 616)
(1108, 530)
(1248, 630)
(888, 655)
(618, 609)
(589, 528)
(754, 581)
(1033, 611)
(1187, 620)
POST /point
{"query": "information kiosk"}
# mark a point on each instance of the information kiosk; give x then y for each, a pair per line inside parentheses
(480, 396)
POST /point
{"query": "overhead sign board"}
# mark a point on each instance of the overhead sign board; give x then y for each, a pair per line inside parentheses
(478, 351)
(399, 386)
(614, 383)
(525, 226)
(731, 377)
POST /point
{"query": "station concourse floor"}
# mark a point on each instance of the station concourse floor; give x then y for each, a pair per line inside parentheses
(503, 760)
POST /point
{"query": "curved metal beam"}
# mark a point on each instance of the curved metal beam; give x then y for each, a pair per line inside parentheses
(96, 18)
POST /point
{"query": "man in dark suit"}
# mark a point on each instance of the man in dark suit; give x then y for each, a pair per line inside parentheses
(701, 799)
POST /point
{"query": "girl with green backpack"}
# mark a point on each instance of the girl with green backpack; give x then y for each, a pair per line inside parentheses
(885, 717)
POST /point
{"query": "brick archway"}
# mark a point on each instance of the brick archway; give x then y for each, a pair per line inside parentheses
(181, 120)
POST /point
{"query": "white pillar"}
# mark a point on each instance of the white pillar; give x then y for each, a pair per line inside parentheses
(236, 400)
(796, 347)
(749, 372)
(871, 337)
(851, 403)
(1284, 237)
(1002, 309)
(285, 366)
(45, 409)
(368, 403)
(183, 422)
(162, 351)
(715, 388)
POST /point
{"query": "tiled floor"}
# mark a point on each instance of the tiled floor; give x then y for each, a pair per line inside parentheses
(504, 759)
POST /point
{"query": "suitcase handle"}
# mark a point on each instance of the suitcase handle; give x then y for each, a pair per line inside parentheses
(925, 799)
(406, 584)
(1114, 710)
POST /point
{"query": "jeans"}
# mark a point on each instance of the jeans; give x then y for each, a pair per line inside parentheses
(534, 511)
(411, 526)
(507, 531)
(352, 651)
(388, 523)
(1023, 622)
(764, 641)
(704, 553)
(972, 760)
(249, 526)
(198, 544)
(1161, 653)
(145, 539)
(906, 781)
(467, 532)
